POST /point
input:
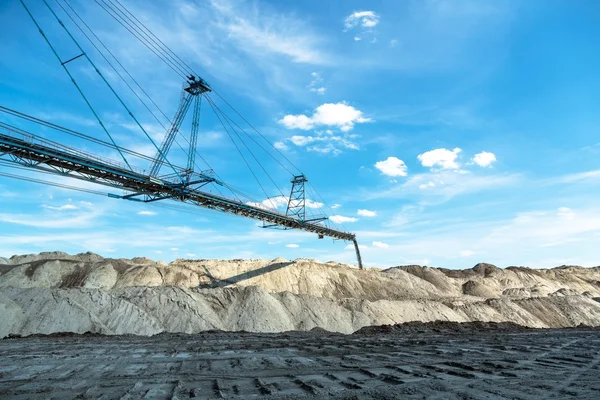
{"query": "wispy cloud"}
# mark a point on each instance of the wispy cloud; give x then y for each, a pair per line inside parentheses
(63, 117)
(538, 238)
(316, 84)
(363, 23)
(36, 221)
(577, 177)
(437, 187)
(147, 213)
(435, 35)
(61, 208)
(260, 33)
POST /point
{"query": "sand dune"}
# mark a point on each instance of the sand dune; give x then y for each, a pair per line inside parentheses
(56, 292)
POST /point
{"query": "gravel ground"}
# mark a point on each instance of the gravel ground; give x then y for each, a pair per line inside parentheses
(479, 363)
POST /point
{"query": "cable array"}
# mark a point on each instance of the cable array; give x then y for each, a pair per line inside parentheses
(128, 20)
(235, 132)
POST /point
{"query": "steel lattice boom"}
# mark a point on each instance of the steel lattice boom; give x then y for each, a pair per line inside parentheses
(144, 188)
(186, 185)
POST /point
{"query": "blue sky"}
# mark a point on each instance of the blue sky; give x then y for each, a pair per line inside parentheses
(443, 132)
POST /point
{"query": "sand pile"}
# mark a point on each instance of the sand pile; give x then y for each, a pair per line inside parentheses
(57, 292)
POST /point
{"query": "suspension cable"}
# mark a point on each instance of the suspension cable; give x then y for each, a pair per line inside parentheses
(245, 145)
(124, 17)
(240, 152)
(111, 88)
(109, 10)
(168, 50)
(325, 203)
(175, 58)
(73, 80)
(148, 37)
(256, 142)
(256, 130)
(111, 54)
(133, 90)
(65, 130)
(60, 185)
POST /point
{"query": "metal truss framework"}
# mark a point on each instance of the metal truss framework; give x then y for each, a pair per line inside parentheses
(184, 185)
(196, 87)
(44, 155)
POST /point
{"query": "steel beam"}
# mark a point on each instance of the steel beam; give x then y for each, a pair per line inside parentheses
(80, 166)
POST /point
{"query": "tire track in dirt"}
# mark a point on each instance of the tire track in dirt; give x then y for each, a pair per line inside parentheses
(543, 364)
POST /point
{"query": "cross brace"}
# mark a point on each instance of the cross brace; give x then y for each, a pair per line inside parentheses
(72, 163)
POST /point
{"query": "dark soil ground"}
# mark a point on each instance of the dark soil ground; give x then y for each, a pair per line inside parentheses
(437, 360)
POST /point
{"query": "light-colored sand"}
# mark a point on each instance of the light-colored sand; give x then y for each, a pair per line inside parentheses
(54, 292)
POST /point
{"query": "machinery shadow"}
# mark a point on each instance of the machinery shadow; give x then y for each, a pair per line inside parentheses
(218, 283)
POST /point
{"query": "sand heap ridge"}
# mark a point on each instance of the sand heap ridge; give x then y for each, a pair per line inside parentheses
(58, 292)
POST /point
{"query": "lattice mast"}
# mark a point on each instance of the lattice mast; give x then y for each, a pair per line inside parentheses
(296, 206)
(193, 91)
(184, 185)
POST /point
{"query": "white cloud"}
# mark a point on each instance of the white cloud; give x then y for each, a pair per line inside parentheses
(340, 219)
(79, 221)
(246, 40)
(484, 159)
(364, 19)
(328, 148)
(276, 34)
(174, 249)
(301, 140)
(271, 203)
(467, 253)
(427, 185)
(312, 204)
(325, 142)
(190, 255)
(363, 22)
(575, 178)
(440, 186)
(147, 213)
(393, 42)
(392, 166)
(367, 213)
(297, 122)
(380, 245)
(280, 146)
(315, 85)
(443, 158)
(86, 203)
(61, 208)
(292, 245)
(565, 213)
(333, 207)
(277, 202)
(339, 115)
